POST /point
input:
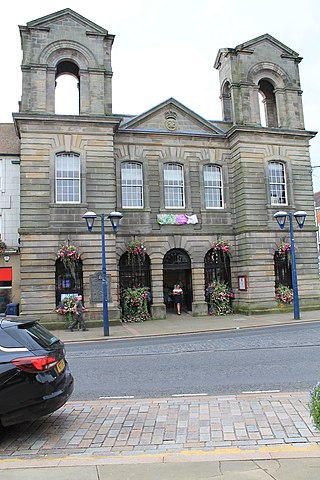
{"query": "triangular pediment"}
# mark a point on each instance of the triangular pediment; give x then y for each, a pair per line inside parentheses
(266, 38)
(263, 42)
(69, 16)
(172, 117)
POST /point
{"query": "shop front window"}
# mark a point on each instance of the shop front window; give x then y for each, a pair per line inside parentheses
(5, 287)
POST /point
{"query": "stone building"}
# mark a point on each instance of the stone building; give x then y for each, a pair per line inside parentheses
(9, 216)
(181, 182)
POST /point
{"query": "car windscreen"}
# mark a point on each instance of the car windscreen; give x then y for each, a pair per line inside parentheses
(34, 336)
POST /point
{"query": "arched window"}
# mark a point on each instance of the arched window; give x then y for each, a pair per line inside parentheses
(212, 180)
(226, 103)
(266, 89)
(67, 91)
(67, 178)
(217, 268)
(173, 185)
(277, 183)
(282, 270)
(131, 185)
(134, 273)
(66, 283)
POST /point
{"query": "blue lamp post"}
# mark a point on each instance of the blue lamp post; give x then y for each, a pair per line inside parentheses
(114, 218)
(300, 217)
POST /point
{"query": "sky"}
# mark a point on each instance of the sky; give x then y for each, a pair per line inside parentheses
(167, 48)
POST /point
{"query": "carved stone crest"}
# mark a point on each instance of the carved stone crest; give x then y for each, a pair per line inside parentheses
(171, 117)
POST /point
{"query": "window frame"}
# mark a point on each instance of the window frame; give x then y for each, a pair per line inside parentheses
(212, 187)
(272, 183)
(181, 186)
(137, 187)
(73, 156)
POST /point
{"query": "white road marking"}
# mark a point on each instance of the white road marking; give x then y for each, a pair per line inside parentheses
(189, 395)
(116, 398)
(263, 391)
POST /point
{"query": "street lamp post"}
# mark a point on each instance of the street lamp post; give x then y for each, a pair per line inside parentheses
(300, 217)
(114, 218)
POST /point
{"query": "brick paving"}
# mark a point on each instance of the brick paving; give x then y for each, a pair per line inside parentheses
(113, 427)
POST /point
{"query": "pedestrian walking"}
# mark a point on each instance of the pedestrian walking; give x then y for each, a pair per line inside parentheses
(79, 309)
(178, 296)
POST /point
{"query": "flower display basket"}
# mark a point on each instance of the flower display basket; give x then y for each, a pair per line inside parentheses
(136, 251)
(67, 308)
(135, 306)
(284, 295)
(69, 256)
(221, 246)
(283, 249)
(219, 297)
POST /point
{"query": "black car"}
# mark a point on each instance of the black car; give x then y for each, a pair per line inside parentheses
(35, 379)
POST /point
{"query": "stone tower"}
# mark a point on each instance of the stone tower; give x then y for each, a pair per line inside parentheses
(266, 66)
(66, 42)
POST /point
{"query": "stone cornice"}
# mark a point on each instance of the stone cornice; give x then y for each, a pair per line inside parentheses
(308, 134)
(60, 120)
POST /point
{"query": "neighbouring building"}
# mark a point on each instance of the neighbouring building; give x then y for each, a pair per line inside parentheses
(183, 183)
(9, 216)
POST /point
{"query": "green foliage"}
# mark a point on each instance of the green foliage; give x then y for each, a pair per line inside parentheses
(67, 308)
(135, 307)
(219, 296)
(314, 405)
(136, 251)
(69, 256)
(221, 246)
(283, 248)
(284, 294)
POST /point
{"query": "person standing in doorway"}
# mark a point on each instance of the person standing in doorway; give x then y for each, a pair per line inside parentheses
(177, 294)
(79, 309)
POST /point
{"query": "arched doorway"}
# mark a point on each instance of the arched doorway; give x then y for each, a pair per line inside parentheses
(177, 269)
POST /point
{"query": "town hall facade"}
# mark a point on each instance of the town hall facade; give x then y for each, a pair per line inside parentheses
(182, 183)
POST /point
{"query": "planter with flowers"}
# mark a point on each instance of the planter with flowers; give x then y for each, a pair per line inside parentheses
(3, 246)
(67, 308)
(69, 255)
(219, 296)
(136, 251)
(284, 295)
(135, 305)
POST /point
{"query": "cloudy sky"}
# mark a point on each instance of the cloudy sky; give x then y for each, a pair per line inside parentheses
(167, 48)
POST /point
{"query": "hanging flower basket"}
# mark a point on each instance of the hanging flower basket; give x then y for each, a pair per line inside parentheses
(136, 251)
(3, 246)
(69, 256)
(283, 249)
(221, 246)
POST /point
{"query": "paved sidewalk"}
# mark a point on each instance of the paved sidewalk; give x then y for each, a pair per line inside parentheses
(168, 430)
(186, 323)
